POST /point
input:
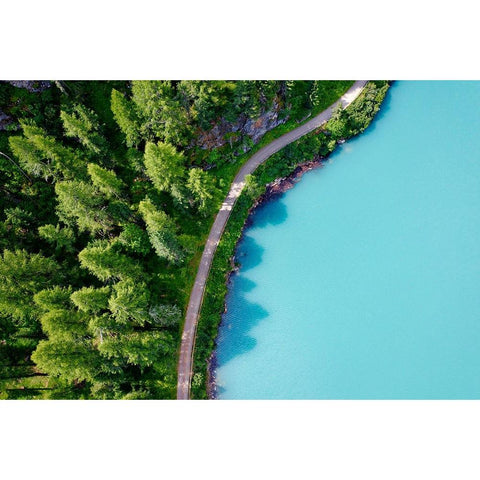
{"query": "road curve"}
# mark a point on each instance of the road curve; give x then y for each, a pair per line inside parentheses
(185, 362)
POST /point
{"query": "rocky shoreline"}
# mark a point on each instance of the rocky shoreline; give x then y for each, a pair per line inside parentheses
(273, 190)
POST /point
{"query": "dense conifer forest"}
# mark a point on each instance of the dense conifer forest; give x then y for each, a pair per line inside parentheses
(107, 192)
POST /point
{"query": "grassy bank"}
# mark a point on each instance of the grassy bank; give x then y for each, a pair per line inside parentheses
(318, 144)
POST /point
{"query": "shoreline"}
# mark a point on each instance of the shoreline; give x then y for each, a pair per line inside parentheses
(273, 190)
(313, 146)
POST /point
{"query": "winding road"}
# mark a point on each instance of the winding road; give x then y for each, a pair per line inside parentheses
(187, 347)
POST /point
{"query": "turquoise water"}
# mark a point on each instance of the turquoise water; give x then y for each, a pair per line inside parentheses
(362, 282)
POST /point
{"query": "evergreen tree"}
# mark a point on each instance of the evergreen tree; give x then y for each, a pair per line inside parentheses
(56, 298)
(106, 263)
(163, 116)
(91, 299)
(65, 161)
(203, 190)
(21, 276)
(135, 239)
(105, 180)
(61, 238)
(30, 157)
(129, 302)
(126, 116)
(80, 201)
(161, 231)
(143, 349)
(83, 125)
(164, 165)
(72, 360)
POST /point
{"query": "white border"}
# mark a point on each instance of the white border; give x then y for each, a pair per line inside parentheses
(217, 39)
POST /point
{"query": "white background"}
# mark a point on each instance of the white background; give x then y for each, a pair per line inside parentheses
(47, 39)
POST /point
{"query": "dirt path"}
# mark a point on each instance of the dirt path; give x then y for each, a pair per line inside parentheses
(196, 297)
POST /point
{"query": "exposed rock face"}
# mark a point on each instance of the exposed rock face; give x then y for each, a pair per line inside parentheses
(5, 120)
(34, 86)
(254, 129)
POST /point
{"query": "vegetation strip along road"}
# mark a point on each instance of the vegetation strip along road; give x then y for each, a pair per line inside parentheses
(187, 347)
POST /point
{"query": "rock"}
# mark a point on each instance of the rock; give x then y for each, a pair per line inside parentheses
(224, 132)
(34, 86)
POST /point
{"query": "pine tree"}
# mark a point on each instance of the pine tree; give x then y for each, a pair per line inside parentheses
(83, 125)
(161, 231)
(81, 202)
(61, 238)
(21, 276)
(91, 299)
(164, 165)
(105, 180)
(203, 190)
(130, 302)
(125, 115)
(106, 263)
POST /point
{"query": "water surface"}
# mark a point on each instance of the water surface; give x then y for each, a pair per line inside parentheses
(362, 282)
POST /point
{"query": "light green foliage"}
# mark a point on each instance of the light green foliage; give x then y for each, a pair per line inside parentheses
(253, 188)
(165, 315)
(126, 116)
(64, 161)
(21, 276)
(203, 190)
(91, 299)
(105, 180)
(64, 324)
(30, 158)
(70, 359)
(129, 302)
(56, 298)
(105, 263)
(161, 231)
(61, 238)
(138, 348)
(164, 165)
(83, 125)
(80, 201)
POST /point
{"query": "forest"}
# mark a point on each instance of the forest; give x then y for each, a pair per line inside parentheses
(108, 191)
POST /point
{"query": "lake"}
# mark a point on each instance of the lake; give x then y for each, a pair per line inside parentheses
(363, 281)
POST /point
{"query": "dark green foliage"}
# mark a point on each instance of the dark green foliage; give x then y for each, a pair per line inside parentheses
(61, 238)
(21, 276)
(135, 239)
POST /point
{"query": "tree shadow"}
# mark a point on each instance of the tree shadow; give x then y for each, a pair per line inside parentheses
(242, 315)
(248, 254)
(272, 212)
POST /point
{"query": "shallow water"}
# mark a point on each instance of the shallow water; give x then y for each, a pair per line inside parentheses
(362, 282)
